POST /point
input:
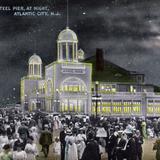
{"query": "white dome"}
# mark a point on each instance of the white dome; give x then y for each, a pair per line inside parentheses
(67, 35)
(35, 59)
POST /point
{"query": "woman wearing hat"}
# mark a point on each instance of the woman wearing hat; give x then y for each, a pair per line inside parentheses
(31, 149)
(81, 139)
(91, 152)
(6, 154)
(70, 147)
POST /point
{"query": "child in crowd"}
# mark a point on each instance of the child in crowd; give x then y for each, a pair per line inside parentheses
(57, 149)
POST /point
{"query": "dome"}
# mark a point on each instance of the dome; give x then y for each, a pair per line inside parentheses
(67, 35)
(35, 59)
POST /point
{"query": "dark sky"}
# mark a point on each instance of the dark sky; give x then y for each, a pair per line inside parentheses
(127, 30)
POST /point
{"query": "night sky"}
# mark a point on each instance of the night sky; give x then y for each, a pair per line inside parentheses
(127, 30)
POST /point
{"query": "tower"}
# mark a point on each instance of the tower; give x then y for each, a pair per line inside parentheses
(67, 46)
(35, 66)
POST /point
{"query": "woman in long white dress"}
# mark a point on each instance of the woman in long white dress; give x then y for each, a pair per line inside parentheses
(3, 140)
(34, 134)
(31, 149)
(71, 147)
(81, 144)
(19, 154)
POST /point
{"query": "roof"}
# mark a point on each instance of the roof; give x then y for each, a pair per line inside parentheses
(35, 59)
(110, 73)
(67, 35)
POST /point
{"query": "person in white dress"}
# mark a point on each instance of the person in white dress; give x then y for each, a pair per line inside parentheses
(31, 149)
(34, 134)
(81, 138)
(19, 154)
(3, 140)
(71, 147)
(57, 149)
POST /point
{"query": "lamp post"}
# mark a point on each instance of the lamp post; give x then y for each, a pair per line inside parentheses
(96, 89)
(57, 101)
(37, 93)
(96, 97)
(14, 96)
(8, 101)
(25, 103)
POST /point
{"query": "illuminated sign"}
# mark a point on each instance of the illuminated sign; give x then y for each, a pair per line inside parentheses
(73, 69)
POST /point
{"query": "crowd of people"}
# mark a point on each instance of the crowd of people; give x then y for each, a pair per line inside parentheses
(74, 137)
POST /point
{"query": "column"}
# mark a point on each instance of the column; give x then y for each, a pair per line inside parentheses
(29, 70)
(111, 106)
(85, 106)
(58, 57)
(122, 107)
(60, 52)
(76, 51)
(33, 68)
(77, 106)
(67, 57)
(40, 70)
(73, 51)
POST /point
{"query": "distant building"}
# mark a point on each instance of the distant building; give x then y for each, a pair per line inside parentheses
(70, 83)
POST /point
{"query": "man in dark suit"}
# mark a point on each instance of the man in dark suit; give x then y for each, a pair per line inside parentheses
(111, 145)
(63, 142)
(91, 152)
(45, 140)
(19, 143)
(120, 148)
(139, 142)
(131, 148)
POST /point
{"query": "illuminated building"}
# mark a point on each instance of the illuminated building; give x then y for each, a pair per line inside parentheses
(69, 85)
(66, 86)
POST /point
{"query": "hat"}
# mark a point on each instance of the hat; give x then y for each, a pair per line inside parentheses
(90, 135)
(120, 132)
(82, 128)
(68, 132)
(111, 129)
(116, 134)
(127, 131)
(46, 126)
(56, 138)
(6, 146)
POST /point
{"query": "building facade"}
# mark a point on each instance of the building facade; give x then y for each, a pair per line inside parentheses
(67, 86)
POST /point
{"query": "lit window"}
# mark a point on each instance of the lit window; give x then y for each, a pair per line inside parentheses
(102, 87)
(66, 107)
